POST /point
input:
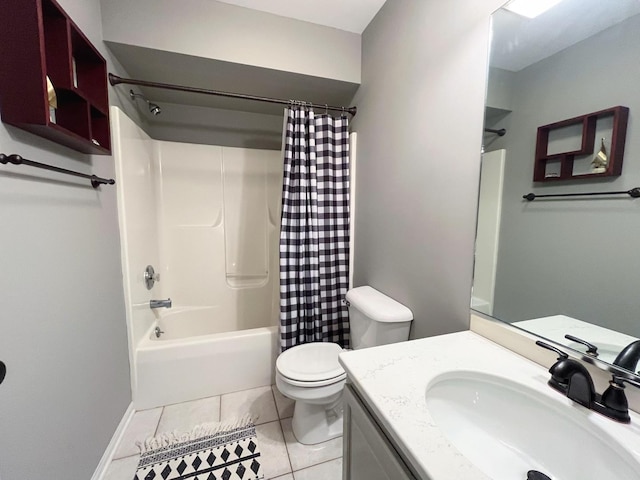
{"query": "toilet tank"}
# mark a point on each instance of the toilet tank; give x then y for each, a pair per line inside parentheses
(376, 319)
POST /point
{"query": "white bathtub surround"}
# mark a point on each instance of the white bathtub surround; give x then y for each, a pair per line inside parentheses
(174, 371)
(207, 218)
(393, 380)
(277, 444)
(219, 218)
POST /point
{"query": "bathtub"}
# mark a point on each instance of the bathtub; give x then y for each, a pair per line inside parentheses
(197, 358)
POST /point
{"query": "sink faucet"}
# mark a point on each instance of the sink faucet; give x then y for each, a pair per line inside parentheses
(572, 379)
(629, 356)
(160, 303)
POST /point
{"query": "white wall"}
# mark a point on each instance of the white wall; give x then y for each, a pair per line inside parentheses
(63, 318)
(419, 124)
(229, 33)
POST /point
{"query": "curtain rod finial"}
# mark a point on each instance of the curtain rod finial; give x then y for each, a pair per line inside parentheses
(114, 79)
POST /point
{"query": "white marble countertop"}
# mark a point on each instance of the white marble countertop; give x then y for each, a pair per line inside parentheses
(393, 380)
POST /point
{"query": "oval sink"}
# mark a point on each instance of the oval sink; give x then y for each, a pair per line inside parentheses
(506, 429)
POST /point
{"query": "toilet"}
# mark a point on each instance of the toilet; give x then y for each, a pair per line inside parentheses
(311, 375)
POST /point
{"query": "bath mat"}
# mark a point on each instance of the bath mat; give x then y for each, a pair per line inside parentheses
(227, 451)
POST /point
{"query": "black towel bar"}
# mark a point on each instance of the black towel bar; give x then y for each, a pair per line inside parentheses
(634, 192)
(18, 160)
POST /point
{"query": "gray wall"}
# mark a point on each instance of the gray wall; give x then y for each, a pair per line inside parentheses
(220, 31)
(419, 124)
(63, 319)
(576, 257)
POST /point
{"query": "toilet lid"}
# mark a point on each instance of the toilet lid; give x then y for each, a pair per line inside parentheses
(310, 362)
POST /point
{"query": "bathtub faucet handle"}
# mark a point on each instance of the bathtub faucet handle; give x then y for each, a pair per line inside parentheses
(150, 277)
(160, 303)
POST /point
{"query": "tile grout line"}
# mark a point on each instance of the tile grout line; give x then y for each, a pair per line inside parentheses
(316, 464)
(284, 439)
(155, 431)
(275, 404)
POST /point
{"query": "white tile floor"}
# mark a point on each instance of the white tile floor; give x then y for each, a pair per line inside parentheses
(282, 457)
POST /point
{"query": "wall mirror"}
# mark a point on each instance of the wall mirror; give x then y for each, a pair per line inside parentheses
(561, 265)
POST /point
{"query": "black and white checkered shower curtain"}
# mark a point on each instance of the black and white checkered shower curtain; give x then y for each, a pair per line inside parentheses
(314, 232)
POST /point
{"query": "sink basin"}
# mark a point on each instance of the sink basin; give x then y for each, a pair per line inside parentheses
(507, 428)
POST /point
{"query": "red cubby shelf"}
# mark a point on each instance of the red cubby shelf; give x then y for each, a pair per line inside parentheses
(588, 122)
(39, 40)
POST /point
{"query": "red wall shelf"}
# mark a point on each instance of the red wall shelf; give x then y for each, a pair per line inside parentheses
(39, 40)
(588, 123)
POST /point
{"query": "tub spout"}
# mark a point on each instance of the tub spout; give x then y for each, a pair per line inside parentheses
(160, 303)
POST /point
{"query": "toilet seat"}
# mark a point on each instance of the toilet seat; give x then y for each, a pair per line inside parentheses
(311, 365)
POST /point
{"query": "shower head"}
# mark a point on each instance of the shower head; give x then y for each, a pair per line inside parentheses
(153, 107)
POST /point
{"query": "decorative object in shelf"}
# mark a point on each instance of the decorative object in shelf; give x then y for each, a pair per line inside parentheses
(53, 100)
(600, 160)
(44, 51)
(563, 165)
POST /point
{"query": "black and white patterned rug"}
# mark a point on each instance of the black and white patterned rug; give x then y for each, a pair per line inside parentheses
(209, 452)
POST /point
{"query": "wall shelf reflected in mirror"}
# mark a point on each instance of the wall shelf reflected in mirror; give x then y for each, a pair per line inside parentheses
(578, 134)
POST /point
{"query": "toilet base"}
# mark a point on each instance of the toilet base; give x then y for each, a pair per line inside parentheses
(317, 423)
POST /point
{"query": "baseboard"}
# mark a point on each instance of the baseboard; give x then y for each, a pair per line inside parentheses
(107, 456)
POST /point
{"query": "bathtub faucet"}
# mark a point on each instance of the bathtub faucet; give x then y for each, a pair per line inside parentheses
(160, 303)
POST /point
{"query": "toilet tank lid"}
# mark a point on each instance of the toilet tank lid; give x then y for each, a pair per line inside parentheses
(377, 306)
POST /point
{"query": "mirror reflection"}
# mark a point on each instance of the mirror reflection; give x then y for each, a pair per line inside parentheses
(569, 265)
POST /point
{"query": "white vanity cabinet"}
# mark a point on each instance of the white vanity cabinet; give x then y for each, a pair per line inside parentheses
(368, 454)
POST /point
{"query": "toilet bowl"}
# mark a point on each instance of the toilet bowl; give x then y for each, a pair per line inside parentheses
(311, 375)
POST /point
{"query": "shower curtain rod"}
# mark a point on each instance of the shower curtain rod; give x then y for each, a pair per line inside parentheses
(500, 132)
(115, 80)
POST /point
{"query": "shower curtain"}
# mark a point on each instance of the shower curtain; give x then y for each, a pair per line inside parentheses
(314, 232)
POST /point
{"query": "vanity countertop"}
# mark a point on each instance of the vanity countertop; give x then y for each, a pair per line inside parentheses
(393, 380)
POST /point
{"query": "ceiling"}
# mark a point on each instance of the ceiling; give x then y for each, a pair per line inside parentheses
(349, 15)
(519, 42)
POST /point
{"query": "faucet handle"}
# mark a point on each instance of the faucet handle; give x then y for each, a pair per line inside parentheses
(592, 350)
(614, 401)
(570, 377)
(561, 354)
(535, 475)
(617, 379)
